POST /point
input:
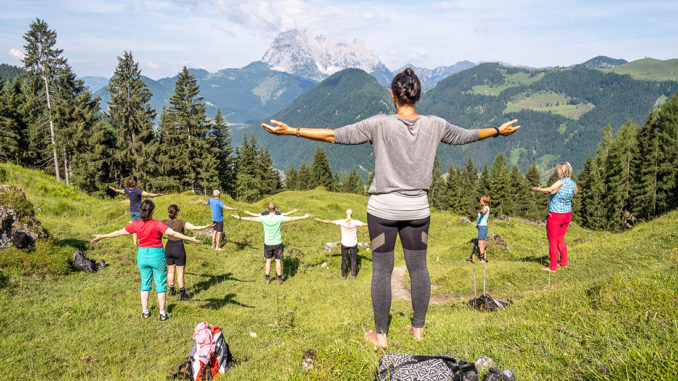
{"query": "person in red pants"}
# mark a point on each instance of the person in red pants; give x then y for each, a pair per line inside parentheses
(560, 214)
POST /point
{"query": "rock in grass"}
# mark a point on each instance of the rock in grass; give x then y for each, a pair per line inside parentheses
(483, 364)
(17, 219)
(253, 335)
(308, 359)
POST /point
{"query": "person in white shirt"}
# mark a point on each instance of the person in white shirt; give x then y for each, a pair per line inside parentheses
(349, 241)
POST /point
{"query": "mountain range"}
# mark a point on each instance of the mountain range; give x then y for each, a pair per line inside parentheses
(562, 112)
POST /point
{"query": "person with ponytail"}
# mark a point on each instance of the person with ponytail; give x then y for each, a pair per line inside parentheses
(175, 252)
(404, 146)
(150, 256)
(134, 194)
(349, 241)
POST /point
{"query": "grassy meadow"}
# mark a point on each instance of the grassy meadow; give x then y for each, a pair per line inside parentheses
(610, 316)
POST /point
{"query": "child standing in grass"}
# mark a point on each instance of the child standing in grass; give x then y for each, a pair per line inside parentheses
(134, 194)
(481, 225)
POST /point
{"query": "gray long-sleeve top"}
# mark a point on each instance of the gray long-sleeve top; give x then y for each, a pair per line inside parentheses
(404, 149)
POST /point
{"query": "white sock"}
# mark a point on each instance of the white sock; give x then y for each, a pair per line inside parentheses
(146, 311)
(163, 313)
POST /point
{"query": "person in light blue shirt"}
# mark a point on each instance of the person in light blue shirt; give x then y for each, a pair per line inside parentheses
(560, 214)
(481, 225)
(218, 207)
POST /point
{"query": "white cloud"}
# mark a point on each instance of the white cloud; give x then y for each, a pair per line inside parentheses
(153, 65)
(16, 53)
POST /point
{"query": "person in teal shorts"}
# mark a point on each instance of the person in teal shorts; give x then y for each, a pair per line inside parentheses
(150, 255)
(273, 246)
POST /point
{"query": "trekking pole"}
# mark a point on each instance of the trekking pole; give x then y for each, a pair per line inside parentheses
(475, 296)
(483, 277)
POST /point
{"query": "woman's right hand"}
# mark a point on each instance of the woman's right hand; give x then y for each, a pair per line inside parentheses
(195, 240)
(97, 238)
(507, 128)
(278, 128)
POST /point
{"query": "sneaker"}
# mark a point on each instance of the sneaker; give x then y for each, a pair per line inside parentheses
(548, 269)
(343, 277)
(268, 280)
(146, 315)
(470, 259)
(280, 281)
(167, 316)
(184, 296)
(352, 276)
(172, 291)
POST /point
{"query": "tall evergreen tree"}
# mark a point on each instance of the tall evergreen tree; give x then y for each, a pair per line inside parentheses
(267, 178)
(451, 191)
(353, 183)
(536, 200)
(304, 176)
(43, 64)
(618, 173)
(292, 179)
(646, 166)
(321, 173)
(219, 138)
(501, 193)
(131, 115)
(667, 192)
(469, 184)
(521, 195)
(13, 129)
(436, 192)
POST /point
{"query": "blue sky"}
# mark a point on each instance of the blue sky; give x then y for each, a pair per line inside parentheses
(164, 35)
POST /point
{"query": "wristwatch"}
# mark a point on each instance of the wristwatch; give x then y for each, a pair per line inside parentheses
(498, 133)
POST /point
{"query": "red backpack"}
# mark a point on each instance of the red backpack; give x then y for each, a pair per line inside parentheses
(219, 362)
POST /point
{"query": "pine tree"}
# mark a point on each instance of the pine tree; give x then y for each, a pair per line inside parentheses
(618, 174)
(469, 182)
(353, 183)
(501, 194)
(267, 178)
(370, 178)
(667, 189)
(219, 138)
(484, 182)
(645, 164)
(43, 63)
(304, 176)
(13, 129)
(321, 173)
(436, 192)
(453, 193)
(521, 194)
(578, 207)
(131, 115)
(292, 179)
(536, 201)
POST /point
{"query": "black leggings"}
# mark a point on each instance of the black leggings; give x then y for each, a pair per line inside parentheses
(347, 251)
(414, 238)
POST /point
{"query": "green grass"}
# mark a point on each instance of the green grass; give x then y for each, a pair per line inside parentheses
(612, 311)
(510, 80)
(649, 69)
(548, 101)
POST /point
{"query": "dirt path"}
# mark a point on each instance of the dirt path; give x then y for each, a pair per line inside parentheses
(399, 290)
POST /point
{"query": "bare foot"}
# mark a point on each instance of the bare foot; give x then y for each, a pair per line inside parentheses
(417, 333)
(376, 339)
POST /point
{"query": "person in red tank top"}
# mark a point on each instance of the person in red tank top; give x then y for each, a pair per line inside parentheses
(150, 255)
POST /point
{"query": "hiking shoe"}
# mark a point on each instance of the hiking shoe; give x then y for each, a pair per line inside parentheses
(352, 276)
(343, 277)
(145, 315)
(172, 291)
(280, 281)
(470, 259)
(167, 316)
(184, 296)
(483, 259)
(548, 269)
(267, 281)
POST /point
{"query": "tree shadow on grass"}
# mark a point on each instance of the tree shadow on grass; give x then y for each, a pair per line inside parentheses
(213, 280)
(78, 244)
(544, 259)
(290, 267)
(218, 303)
(241, 245)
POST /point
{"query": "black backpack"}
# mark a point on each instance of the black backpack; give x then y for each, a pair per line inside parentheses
(80, 262)
(407, 367)
(23, 241)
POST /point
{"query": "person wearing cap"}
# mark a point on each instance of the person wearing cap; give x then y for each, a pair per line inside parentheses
(218, 207)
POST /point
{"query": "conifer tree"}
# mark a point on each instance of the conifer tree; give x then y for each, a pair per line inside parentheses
(469, 184)
(321, 173)
(304, 176)
(536, 208)
(667, 184)
(453, 193)
(219, 138)
(579, 209)
(353, 183)
(267, 178)
(168, 175)
(646, 167)
(43, 64)
(131, 115)
(501, 194)
(484, 182)
(13, 129)
(292, 179)
(521, 194)
(436, 192)
(618, 173)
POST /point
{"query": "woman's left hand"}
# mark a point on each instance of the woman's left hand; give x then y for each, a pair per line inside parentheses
(507, 128)
(96, 239)
(278, 128)
(536, 189)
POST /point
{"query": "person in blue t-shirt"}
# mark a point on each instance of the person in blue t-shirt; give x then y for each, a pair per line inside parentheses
(134, 194)
(218, 207)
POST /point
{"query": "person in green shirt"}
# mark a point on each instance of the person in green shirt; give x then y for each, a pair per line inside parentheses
(273, 247)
